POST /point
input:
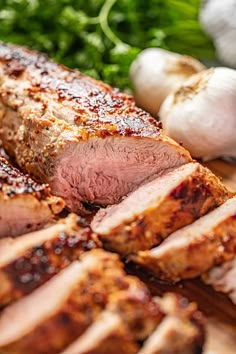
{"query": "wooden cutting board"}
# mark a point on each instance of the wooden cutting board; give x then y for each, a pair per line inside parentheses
(219, 311)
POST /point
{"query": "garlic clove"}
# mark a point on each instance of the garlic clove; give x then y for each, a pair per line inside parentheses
(156, 73)
(202, 114)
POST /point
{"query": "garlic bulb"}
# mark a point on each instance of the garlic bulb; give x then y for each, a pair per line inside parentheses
(218, 20)
(202, 114)
(156, 73)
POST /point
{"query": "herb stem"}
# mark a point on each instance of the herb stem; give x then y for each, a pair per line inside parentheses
(93, 20)
(103, 19)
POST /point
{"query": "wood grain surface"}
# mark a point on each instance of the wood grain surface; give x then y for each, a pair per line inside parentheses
(219, 311)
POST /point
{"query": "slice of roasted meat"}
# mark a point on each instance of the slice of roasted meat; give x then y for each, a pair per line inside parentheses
(180, 332)
(157, 209)
(24, 205)
(28, 261)
(136, 308)
(223, 278)
(193, 250)
(59, 311)
(88, 141)
(108, 335)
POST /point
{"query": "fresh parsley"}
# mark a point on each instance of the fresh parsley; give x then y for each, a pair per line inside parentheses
(102, 38)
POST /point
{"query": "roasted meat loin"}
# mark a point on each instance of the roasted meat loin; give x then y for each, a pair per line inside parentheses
(158, 208)
(28, 261)
(179, 332)
(93, 146)
(63, 308)
(98, 306)
(24, 204)
(194, 249)
(87, 140)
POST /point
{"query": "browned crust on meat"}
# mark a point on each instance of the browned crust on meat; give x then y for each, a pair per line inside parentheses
(14, 184)
(118, 342)
(197, 257)
(135, 304)
(97, 289)
(114, 338)
(75, 315)
(172, 304)
(180, 332)
(71, 85)
(38, 264)
(105, 287)
(94, 109)
(201, 192)
(25, 205)
(128, 297)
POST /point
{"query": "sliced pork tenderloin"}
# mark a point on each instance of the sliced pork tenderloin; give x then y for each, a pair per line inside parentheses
(223, 278)
(136, 308)
(180, 322)
(24, 204)
(61, 310)
(173, 336)
(52, 316)
(128, 296)
(29, 261)
(155, 210)
(87, 140)
(191, 251)
(180, 332)
(107, 335)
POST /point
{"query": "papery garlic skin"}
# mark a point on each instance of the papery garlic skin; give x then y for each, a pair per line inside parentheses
(156, 73)
(202, 114)
(218, 20)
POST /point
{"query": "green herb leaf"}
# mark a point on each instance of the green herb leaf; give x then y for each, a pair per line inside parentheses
(102, 38)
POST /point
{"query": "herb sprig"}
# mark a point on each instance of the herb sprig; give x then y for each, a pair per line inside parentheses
(102, 38)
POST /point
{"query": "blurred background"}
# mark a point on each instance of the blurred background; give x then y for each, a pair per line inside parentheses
(102, 38)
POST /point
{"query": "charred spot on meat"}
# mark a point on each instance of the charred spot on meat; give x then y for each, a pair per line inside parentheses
(29, 261)
(24, 204)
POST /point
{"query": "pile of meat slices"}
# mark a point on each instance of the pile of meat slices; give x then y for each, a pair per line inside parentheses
(61, 290)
